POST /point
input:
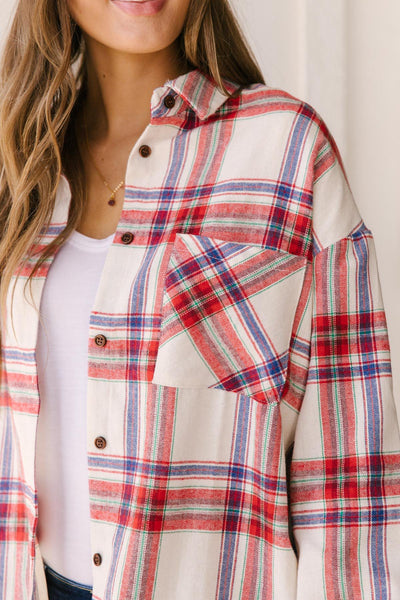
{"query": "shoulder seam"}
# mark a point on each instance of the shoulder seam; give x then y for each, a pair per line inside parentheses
(359, 232)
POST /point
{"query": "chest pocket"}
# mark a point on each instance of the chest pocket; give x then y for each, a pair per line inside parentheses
(227, 316)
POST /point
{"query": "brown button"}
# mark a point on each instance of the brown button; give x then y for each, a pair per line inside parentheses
(97, 559)
(169, 101)
(100, 339)
(127, 237)
(100, 442)
(145, 150)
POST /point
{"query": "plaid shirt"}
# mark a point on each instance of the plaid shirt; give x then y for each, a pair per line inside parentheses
(242, 377)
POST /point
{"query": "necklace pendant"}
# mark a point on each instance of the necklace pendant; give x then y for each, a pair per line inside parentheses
(111, 201)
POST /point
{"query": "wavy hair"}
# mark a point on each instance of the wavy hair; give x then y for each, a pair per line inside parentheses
(40, 90)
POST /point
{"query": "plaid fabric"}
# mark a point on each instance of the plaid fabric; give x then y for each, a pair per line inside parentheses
(245, 388)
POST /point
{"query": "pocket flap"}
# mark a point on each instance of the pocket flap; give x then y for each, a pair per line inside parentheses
(227, 316)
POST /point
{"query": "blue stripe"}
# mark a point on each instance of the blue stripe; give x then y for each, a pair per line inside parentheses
(219, 257)
(373, 418)
(240, 187)
(16, 354)
(368, 370)
(297, 144)
(237, 478)
(349, 517)
(238, 471)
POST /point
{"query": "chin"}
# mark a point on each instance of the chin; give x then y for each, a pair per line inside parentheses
(130, 26)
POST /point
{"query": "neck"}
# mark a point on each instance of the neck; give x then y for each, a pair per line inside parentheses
(120, 87)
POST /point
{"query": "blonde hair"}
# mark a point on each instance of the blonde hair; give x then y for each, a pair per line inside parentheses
(39, 95)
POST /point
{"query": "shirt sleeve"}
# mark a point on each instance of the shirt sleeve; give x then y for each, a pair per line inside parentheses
(343, 476)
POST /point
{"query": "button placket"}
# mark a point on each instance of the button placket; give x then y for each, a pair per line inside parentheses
(139, 170)
(99, 444)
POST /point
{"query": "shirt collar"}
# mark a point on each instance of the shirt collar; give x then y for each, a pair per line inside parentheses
(195, 88)
(198, 90)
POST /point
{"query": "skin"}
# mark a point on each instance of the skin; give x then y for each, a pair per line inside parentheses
(128, 57)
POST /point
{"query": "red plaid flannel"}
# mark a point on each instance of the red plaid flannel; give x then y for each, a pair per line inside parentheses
(245, 388)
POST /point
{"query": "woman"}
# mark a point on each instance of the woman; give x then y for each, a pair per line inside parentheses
(191, 298)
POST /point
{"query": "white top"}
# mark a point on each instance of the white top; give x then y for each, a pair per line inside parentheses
(61, 451)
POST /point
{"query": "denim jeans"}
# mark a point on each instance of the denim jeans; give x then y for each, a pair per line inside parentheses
(62, 588)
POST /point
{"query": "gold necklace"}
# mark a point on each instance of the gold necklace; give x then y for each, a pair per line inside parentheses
(111, 200)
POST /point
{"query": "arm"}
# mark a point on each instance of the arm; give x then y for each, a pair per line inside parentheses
(344, 474)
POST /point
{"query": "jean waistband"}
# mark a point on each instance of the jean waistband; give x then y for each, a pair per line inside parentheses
(65, 580)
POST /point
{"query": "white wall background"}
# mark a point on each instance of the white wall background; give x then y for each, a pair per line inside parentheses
(343, 58)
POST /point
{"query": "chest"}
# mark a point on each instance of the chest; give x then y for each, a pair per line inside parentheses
(203, 277)
(105, 188)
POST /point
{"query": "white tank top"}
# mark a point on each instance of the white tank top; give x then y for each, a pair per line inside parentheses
(61, 446)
